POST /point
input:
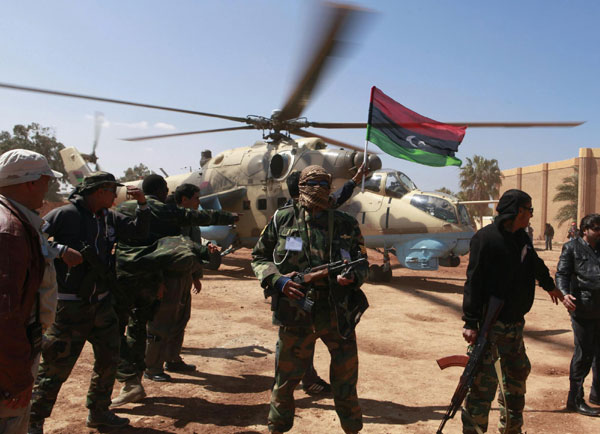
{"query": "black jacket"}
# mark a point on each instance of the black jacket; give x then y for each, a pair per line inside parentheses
(503, 264)
(578, 274)
(74, 225)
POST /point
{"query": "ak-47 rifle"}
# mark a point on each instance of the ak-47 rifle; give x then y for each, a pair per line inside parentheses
(311, 275)
(475, 359)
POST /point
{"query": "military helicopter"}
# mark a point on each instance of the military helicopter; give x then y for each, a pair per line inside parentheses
(424, 230)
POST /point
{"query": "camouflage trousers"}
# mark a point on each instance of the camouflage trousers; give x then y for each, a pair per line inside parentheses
(133, 321)
(77, 322)
(296, 348)
(507, 340)
(166, 330)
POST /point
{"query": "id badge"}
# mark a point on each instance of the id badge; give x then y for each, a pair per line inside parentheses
(345, 255)
(293, 243)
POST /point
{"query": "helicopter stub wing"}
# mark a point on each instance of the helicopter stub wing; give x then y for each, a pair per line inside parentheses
(429, 251)
(217, 200)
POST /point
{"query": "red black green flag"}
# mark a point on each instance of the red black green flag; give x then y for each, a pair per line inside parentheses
(400, 132)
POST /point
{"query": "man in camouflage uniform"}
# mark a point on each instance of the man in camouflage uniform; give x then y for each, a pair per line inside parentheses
(504, 264)
(305, 235)
(85, 311)
(149, 321)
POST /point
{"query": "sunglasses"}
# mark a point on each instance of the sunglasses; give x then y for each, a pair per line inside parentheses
(528, 209)
(595, 229)
(319, 183)
(110, 189)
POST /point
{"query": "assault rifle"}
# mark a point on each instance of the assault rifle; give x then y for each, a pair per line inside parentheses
(311, 275)
(475, 359)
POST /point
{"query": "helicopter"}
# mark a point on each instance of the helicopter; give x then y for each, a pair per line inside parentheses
(424, 230)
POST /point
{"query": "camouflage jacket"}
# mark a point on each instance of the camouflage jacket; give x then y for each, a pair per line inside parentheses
(168, 219)
(294, 241)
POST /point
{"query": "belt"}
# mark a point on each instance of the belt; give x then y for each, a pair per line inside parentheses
(74, 297)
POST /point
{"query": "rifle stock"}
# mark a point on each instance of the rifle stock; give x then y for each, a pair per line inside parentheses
(474, 361)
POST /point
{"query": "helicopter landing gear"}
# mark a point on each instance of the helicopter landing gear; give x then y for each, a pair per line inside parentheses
(381, 273)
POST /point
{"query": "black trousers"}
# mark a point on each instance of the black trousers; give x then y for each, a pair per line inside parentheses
(586, 333)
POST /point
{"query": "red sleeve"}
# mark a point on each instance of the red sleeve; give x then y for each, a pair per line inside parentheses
(15, 364)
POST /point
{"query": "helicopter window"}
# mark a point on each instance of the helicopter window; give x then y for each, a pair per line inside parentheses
(246, 204)
(398, 184)
(281, 201)
(465, 219)
(261, 204)
(435, 206)
(373, 183)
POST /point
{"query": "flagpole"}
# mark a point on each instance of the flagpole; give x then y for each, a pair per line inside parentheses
(362, 188)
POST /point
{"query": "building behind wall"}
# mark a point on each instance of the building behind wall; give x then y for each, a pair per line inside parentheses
(542, 180)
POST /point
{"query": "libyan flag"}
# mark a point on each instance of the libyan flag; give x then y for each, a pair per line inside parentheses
(400, 132)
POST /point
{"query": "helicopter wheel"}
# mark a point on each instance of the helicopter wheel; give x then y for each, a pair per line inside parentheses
(375, 273)
(386, 276)
(215, 261)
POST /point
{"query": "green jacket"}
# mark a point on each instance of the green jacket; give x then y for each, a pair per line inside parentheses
(279, 252)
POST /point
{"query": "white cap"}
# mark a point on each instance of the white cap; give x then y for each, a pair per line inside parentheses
(21, 165)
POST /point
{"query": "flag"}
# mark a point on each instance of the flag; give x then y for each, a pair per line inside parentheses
(400, 132)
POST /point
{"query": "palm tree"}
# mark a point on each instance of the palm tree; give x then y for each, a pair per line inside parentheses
(568, 192)
(480, 179)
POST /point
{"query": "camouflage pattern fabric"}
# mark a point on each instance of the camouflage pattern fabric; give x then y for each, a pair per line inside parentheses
(299, 330)
(77, 322)
(182, 316)
(297, 345)
(508, 339)
(165, 330)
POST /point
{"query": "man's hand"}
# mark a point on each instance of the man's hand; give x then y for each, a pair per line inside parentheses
(136, 194)
(569, 302)
(21, 400)
(72, 257)
(292, 289)
(556, 295)
(470, 335)
(343, 281)
(362, 170)
(197, 285)
(212, 248)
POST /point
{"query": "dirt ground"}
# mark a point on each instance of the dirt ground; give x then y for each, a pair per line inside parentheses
(412, 321)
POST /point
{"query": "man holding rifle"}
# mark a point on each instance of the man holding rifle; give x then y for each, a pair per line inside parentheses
(502, 264)
(308, 235)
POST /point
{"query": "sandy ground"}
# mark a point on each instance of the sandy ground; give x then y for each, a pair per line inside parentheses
(412, 321)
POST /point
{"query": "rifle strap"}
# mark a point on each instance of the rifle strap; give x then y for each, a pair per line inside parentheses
(467, 416)
(330, 230)
(498, 368)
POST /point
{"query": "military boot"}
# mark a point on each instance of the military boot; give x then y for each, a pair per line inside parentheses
(133, 391)
(97, 418)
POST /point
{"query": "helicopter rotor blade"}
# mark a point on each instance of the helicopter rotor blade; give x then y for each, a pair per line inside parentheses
(98, 121)
(118, 101)
(189, 133)
(341, 21)
(334, 142)
(349, 125)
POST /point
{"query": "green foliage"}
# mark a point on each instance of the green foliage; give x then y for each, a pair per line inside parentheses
(39, 139)
(480, 179)
(136, 172)
(568, 192)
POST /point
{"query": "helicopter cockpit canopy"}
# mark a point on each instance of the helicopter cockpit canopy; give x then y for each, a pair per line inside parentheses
(390, 183)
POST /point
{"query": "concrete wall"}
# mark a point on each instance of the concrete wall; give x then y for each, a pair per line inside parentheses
(541, 182)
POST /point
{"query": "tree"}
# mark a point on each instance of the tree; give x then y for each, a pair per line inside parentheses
(446, 191)
(480, 179)
(136, 172)
(39, 139)
(568, 192)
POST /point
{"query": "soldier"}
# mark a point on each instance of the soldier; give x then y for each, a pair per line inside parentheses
(308, 234)
(502, 263)
(312, 384)
(137, 355)
(85, 311)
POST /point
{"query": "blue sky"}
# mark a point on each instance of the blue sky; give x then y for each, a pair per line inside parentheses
(448, 60)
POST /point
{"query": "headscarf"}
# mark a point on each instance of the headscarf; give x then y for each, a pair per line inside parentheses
(509, 204)
(314, 196)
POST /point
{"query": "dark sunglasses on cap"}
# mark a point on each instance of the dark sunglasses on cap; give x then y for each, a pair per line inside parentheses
(112, 189)
(320, 183)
